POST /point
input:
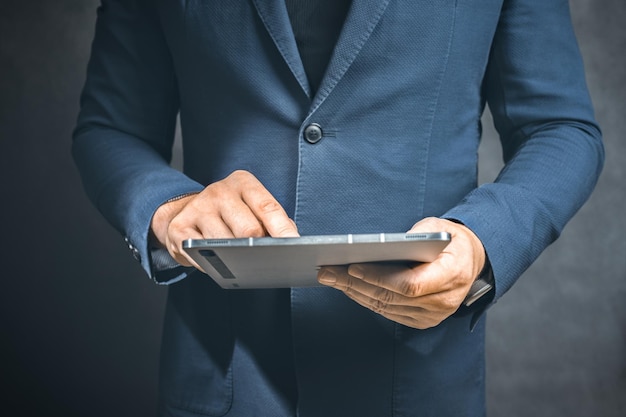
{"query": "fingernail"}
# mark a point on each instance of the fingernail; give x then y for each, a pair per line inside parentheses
(327, 277)
(356, 271)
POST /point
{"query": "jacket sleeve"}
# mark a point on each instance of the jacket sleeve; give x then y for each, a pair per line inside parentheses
(123, 140)
(535, 88)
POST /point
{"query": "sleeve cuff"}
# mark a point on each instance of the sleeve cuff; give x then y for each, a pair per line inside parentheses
(165, 270)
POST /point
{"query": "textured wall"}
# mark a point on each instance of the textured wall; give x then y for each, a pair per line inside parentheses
(556, 343)
(80, 324)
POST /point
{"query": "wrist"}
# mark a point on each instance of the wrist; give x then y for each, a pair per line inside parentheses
(484, 283)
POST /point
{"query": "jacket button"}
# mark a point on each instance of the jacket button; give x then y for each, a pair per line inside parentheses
(133, 250)
(313, 133)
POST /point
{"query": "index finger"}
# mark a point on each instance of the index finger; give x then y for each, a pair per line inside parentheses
(269, 212)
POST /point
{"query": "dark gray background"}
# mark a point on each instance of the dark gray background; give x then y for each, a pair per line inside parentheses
(80, 323)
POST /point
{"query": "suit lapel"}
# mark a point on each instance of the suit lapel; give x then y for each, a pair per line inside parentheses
(360, 23)
(362, 18)
(274, 15)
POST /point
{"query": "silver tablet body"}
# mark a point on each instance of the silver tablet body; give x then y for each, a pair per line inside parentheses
(293, 262)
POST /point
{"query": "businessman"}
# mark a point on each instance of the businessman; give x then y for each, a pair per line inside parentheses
(313, 117)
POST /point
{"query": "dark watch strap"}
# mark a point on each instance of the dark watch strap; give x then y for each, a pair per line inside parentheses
(483, 284)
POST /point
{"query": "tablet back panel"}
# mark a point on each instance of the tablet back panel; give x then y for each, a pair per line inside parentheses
(293, 262)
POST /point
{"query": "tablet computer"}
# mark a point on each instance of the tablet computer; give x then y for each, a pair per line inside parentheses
(268, 262)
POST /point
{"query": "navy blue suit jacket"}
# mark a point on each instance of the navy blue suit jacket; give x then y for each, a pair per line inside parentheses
(400, 108)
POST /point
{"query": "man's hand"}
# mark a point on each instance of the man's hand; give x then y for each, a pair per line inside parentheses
(237, 206)
(421, 296)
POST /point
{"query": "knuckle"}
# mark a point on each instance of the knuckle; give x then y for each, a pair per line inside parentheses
(379, 306)
(237, 179)
(385, 296)
(251, 230)
(269, 206)
(174, 251)
(176, 225)
(175, 232)
(428, 223)
(412, 288)
(449, 303)
(215, 187)
(239, 174)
